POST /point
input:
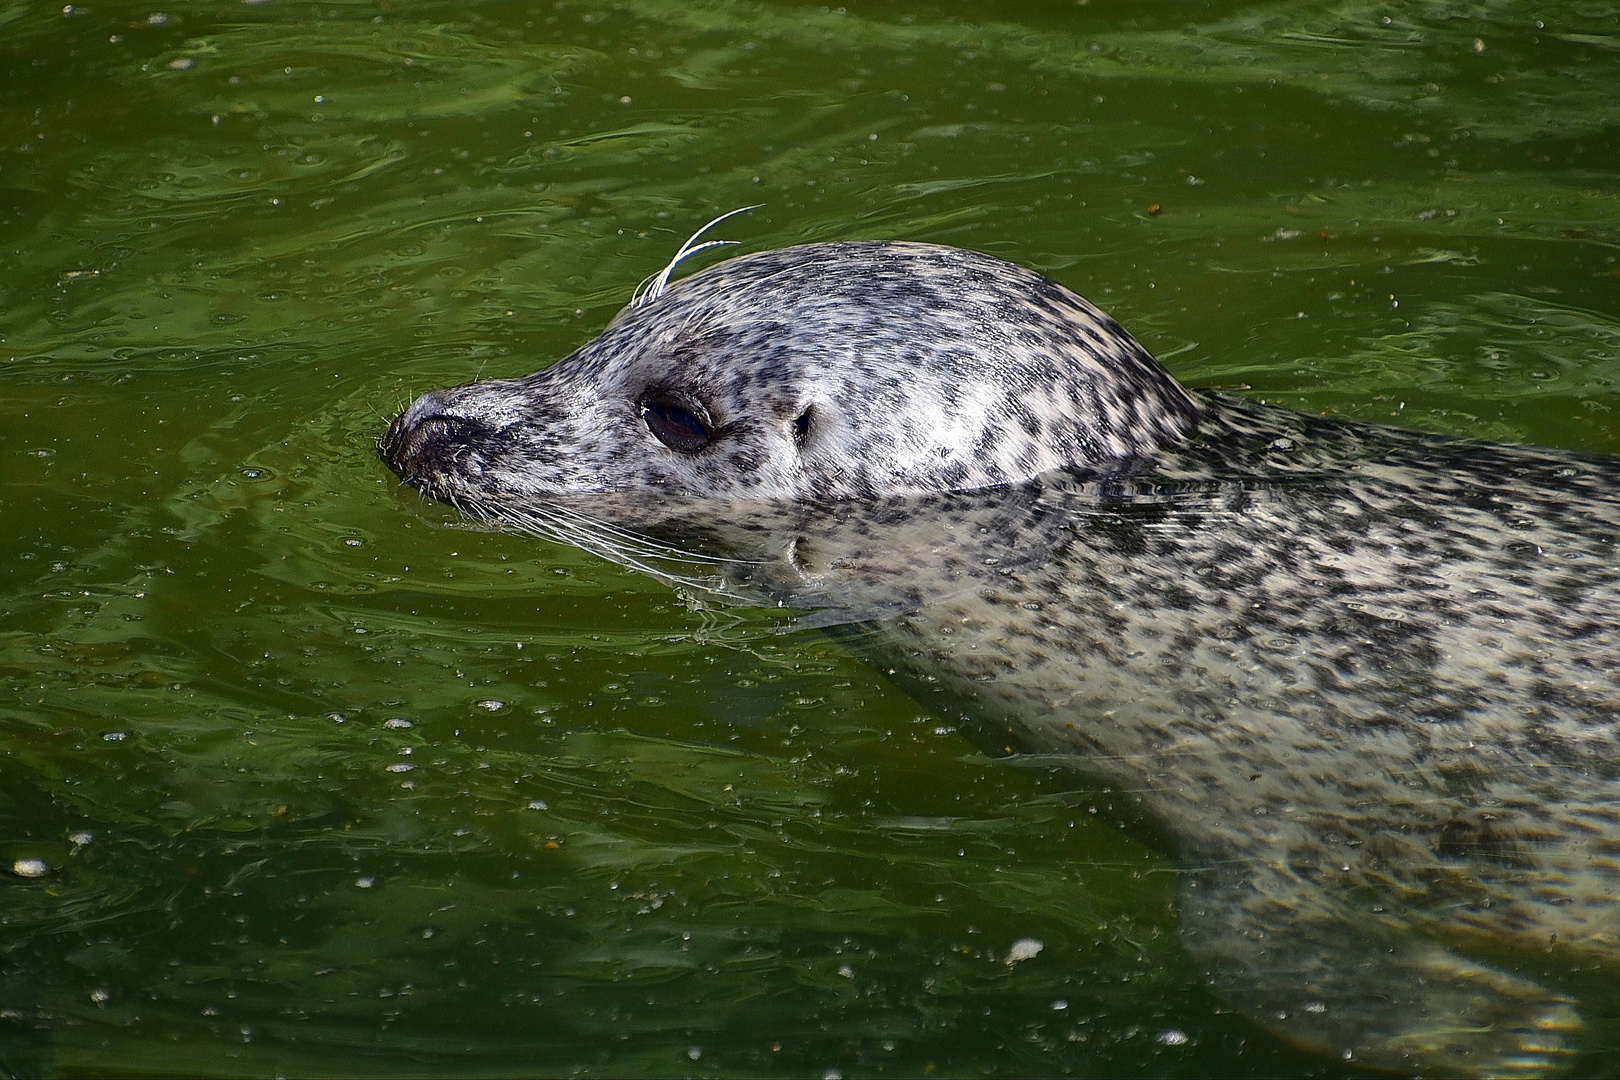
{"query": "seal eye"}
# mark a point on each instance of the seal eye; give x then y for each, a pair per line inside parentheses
(677, 424)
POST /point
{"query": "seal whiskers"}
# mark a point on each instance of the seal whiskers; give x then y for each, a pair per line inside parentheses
(653, 287)
(617, 545)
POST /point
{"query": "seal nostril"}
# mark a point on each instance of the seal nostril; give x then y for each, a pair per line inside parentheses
(388, 441)
(391, 443)
(415, 446)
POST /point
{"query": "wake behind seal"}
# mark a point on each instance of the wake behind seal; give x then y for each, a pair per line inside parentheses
(1367, 679)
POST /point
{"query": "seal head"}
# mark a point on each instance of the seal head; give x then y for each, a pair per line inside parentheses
(828, 371)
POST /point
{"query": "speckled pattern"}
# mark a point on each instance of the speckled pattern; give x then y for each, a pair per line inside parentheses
(919, 367)
(1367, 680)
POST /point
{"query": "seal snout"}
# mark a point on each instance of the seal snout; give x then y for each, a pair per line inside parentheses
(427, 442)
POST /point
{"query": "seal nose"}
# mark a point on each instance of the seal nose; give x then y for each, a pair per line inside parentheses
(424, 438)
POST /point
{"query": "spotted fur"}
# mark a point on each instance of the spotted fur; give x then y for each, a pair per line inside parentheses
(919, 368)
(1366, 680)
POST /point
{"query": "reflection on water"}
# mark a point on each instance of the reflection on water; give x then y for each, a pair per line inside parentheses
(212, 603)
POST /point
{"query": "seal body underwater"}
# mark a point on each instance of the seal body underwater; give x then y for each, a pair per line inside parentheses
(1368, 680)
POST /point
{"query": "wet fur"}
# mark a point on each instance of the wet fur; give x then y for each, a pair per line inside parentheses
(1366, 679)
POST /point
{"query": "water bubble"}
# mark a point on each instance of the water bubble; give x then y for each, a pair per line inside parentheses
(30, 868)
(1172, 1037)
(1025, 948)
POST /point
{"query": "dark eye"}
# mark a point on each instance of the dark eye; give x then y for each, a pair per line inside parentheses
(679, 425)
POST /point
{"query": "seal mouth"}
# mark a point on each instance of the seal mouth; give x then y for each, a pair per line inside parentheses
(429, 450)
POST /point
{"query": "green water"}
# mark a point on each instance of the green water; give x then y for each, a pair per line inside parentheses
(316, 781)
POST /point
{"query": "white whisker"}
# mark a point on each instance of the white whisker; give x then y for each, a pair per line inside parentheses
(631, 550)
(644, 544)
(653, 287)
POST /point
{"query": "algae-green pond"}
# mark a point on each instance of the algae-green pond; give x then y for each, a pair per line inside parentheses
(301, 775)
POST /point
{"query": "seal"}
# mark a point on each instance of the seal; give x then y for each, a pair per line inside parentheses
(1365, 680)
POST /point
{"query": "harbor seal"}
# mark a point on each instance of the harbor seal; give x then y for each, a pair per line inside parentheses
(1366, 680)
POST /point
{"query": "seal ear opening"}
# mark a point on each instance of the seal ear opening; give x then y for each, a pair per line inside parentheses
(801, 428)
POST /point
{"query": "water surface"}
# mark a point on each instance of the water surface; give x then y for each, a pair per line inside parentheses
(300, 775)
